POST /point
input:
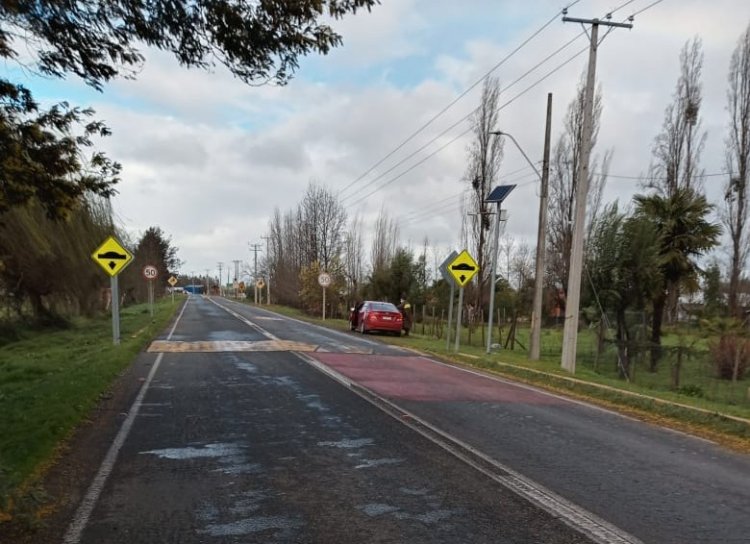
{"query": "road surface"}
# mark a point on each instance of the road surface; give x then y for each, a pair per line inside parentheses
(253, 427)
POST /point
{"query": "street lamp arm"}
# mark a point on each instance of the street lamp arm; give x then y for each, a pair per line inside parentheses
(500, 133)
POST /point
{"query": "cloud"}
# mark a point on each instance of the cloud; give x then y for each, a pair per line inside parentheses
(208, 158)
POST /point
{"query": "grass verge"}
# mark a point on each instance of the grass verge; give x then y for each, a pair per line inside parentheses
(49, 383)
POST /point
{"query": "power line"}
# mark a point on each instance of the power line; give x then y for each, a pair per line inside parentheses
(382, 186)
(459, 97)
(468, 115)
(537, 82)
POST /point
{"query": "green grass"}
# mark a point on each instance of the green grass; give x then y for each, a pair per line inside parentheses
(50, 381)
(600, 381)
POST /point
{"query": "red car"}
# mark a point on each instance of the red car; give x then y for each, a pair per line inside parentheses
(376, 316)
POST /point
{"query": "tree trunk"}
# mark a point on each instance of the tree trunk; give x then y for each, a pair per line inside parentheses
(656, 350)
(623, 366)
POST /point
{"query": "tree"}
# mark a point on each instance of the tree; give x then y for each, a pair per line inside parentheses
(45, 264)
(321, 225)
(623, 265)
(258, 42)
(485, 155)
(564, 182)
(684, 234)
(735, 210)
(384, 242)
(43, 155)
(353, 257)
(713, 303)
(153, 248)
(678, 147)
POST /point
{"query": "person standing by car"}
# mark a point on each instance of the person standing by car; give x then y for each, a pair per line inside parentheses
(405, 308)
(354, 315)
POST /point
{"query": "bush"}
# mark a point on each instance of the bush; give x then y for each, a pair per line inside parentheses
(728, 351)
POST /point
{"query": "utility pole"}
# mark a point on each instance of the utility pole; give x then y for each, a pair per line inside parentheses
(268, 270)
(573, 296)
(255, 248)
(208, 284)
(236, 275)
(221, 265)
(536, 312)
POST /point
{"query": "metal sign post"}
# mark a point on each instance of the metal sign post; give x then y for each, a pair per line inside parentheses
(449, 278)
(112, 256)
(115, 310)
(150, 273)
(458, 318)
(324, 280)
(462, 268)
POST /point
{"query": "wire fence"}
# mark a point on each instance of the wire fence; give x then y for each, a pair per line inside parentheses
(687, 362)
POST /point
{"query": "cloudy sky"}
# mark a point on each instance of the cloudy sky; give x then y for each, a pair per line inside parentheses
(207, 158)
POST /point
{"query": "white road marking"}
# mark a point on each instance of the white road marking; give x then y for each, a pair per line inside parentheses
(348, 336)
(83, 514)
(577, 517)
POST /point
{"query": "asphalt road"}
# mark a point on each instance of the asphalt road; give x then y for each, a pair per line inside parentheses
(245, 440)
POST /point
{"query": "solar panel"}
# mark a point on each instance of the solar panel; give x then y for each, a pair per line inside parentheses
(499, 193)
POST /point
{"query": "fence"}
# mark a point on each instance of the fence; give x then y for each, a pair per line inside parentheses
(687, 366)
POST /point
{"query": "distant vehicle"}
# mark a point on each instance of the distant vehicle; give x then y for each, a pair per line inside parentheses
(177, 289)
(376, 316)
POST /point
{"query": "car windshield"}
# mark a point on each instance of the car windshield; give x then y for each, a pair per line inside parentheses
(382, 307)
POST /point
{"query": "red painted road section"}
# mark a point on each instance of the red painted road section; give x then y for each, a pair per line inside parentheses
(418, 379)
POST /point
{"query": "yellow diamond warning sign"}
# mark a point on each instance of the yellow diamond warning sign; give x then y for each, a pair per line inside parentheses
(112, 256)
(463, 268)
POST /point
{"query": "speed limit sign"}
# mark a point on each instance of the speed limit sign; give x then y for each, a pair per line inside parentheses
(324, 279)
(150, 272)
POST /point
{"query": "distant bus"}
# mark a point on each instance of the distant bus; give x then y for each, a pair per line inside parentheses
(195, 289)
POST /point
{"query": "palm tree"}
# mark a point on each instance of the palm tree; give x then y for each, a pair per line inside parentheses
(684, 234)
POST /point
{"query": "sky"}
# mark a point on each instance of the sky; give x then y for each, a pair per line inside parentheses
(207, 158)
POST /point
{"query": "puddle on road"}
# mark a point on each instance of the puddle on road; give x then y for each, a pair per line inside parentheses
(369, 463)
(209, 450)
(228, 335)
(414, 492)
(247, 367)
(377, 509)
(429, 518)
(349, 443)
(242, 468)
(254, 525)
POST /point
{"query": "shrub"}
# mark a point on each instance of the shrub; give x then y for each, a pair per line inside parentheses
(727, 352)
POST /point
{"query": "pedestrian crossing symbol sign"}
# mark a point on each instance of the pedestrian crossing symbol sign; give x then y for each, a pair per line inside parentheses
(463, 268)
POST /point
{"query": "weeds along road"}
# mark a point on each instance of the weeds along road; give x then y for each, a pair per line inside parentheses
(253, 427)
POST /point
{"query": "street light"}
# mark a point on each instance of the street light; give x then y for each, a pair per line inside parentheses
(497, 195)
(536, 312)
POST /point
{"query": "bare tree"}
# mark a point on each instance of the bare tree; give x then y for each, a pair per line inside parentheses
(322, 220)
(384, 242)
(678, 147)
(564, 182)
(735, 211)
(485, 155)
(522, 265)
(353, 255)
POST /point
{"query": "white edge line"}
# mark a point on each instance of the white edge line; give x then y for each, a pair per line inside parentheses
(334, 331)
(570, 400)
(83, 514)
(246, 321)
(570, 513)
